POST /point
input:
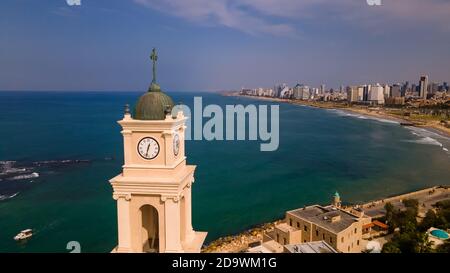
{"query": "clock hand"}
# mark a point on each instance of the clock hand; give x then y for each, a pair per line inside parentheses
(148, 147)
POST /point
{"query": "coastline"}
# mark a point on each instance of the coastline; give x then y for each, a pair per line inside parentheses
(432, 126)
(241, 241)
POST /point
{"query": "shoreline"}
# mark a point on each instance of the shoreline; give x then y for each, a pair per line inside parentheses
(240, 242)
(432, 126)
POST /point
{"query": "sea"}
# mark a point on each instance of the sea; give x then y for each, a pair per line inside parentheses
(59, 149)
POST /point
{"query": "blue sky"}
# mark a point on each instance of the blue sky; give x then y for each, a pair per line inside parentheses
(220, 44)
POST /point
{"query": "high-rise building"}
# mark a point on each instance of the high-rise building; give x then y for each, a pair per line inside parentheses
(376, 94)
(404, 88)
(423, 86)
(366, 90)
(322, 89)
(396, 91)
(387, 90)
(352, 93)
(434, 87)
(360, 93)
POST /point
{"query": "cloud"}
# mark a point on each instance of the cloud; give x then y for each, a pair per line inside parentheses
(283, 17)
(228, 13)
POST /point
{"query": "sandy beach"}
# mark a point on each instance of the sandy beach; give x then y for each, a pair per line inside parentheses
(381, 113)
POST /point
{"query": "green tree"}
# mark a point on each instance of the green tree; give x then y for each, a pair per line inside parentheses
(411, 203)
(430, 220)
(390, 216)
(390, 247)
(423, 245)
(444, 248)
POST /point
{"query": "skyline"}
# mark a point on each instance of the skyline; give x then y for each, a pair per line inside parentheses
(220, 45)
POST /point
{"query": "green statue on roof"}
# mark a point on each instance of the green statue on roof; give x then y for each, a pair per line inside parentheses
(155, 104)
(154, 57)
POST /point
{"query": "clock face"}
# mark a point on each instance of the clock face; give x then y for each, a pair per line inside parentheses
(148, 148)
(176, 144)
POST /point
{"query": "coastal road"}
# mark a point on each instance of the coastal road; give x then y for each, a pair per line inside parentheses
(426, 201)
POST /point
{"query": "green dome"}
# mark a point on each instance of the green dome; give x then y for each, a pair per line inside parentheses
(153, 105)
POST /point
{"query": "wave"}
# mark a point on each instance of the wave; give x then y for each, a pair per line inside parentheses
(428, 137)
(24, 176)
(13, 170)
(343, 113)
(60, 162)
(6, 197)
(426, 141)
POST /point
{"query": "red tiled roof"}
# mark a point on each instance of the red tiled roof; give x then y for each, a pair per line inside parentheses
(380, 224)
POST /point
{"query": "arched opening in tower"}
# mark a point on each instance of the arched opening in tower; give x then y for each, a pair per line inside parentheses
(150, 229)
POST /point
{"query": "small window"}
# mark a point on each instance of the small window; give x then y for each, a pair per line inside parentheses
(284, 241)
(331, 240)
(356, 230)
(278, 238)
(317, 233)
(305, 228)
(298, 224)
(342, 239)
(323, 236)
(290, 223)
(349, 248)
(357, 242)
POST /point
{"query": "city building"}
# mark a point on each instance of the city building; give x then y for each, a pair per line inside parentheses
(423, 86)
(394, 101)
(433, 88)
(301, 92)
(396, 91)
(387, 90)
(153, 192)
(366, 90)
(352, 94)
(360, 93)
(340, 228)
(311, 247)
(322, 89)
(376, 94)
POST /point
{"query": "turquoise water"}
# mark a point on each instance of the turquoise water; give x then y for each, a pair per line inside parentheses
(236, 186)
(440, 234)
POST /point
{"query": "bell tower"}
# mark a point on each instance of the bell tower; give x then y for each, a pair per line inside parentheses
(153, 192)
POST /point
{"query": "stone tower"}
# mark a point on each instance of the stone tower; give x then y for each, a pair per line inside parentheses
(153, 192)
(336, 200)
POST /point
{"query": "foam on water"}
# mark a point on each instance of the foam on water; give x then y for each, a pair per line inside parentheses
(24, 176)
(427, 137)
(426, 141)
(6, 197)
(343, 113)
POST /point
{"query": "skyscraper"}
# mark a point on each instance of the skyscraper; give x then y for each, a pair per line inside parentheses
(423, 86)
(395, 91)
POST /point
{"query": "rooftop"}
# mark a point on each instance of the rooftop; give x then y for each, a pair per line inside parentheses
(311, 247)
(285, 227)
(330, 218)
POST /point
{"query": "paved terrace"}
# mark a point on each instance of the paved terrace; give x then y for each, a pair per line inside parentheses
(426, 197)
